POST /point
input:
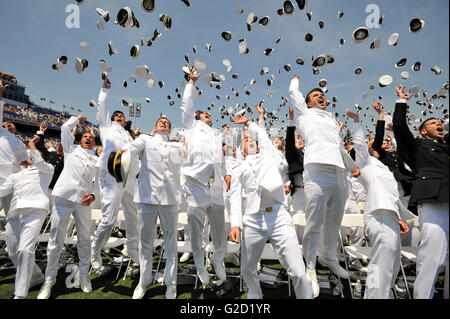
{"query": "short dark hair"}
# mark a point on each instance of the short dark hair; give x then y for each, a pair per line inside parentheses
(115, 114)
(164, 118)
(197, 114)
(424, 122)
(307, 99)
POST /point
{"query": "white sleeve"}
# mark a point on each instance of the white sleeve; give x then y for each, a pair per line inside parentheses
(235, 200)
(297, 99)
(362, 152)
(264, 143)
(103, 116)
(394, 143)
(42, 166)
(187, 106)
(20, 153)
(7, 187)
(136, 147)
(67, 138)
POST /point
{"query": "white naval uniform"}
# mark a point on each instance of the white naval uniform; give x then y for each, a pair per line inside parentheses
(12, 152)
(158, 194)
(382, 212)
(27, 212)
(265, 217)
(203, 170)
(76, 180)
(112, 193)
(324, 177)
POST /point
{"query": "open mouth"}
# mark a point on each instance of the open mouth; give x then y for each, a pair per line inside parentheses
(440, 129)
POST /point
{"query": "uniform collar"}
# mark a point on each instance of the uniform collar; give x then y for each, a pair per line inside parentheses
(117, 125)
(164, 138)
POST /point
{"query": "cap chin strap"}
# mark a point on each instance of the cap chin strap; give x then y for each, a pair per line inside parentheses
(116, 163)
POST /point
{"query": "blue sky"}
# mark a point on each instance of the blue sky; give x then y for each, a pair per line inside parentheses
(35, 35)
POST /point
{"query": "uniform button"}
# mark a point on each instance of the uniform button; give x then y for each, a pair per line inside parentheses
(165, 182)
(165, 157)
(81, 183)
(20, 197)
(165, 145)
(423, 177)
(84, 174)
(165, 169)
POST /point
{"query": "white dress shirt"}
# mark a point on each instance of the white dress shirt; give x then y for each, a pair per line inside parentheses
(29, 186)
(377, 179)
(320, 132)
(258, 177)
(203, 143)
(77, 177)
(12, 150)
(159, 178)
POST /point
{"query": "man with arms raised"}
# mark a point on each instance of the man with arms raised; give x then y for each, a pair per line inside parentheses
(325, 181)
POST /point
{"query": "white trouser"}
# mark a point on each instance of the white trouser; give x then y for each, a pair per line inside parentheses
(196, 195)
(383, 231)
(433, 247)
(326, 192)
(277, 227)
(60, 218)
(22, 232)
(112, 195)
(205, 238)
(147, 216)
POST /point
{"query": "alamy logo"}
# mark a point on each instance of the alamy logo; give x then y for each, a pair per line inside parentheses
(372, 20)
(73, 19)
(73, 280)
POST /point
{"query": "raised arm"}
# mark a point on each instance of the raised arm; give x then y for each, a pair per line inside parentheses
(405, 139)
(292, 157)
(261, 111)
(67, 138)
(362, 152)
(264, 143)
(103, 116)
(37, 159)
(297, 98)
(187, 104)
(40, 143)
(379, 129)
